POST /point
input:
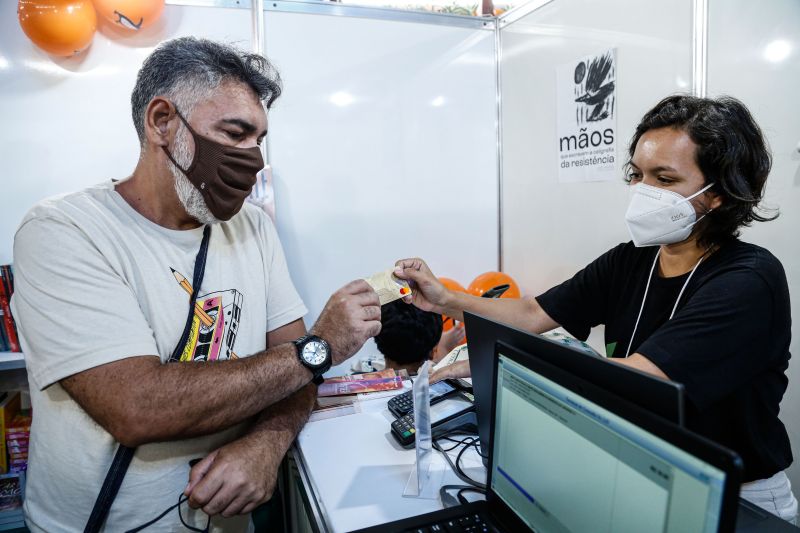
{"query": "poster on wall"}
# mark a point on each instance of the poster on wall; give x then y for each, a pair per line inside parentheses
(586, 122)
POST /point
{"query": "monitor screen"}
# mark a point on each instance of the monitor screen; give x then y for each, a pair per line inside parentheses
(564, 464)
(661, 397)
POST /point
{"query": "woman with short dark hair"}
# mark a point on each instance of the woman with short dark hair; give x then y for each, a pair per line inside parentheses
(685, 300)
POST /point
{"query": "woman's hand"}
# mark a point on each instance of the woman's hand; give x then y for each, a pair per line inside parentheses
(427, 292)
(456, 370)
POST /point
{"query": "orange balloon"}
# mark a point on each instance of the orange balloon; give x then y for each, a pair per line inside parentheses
(490, 280)
(59, 27)
(130, 14)
(453, 285)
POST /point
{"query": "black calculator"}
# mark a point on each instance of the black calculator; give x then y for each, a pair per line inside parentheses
(403, 404)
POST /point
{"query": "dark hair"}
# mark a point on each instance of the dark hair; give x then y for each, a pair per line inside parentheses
(187, 68)
(408, 334)
(731, 152)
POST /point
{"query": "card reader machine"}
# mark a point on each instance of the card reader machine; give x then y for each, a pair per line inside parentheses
(403, 404)
(455, 411)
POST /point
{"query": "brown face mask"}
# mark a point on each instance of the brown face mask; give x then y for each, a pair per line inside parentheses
(224, 175)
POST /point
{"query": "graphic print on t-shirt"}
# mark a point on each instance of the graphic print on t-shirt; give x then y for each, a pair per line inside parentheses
(214, 325)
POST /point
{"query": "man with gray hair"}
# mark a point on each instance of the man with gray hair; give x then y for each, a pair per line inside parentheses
(157, 313)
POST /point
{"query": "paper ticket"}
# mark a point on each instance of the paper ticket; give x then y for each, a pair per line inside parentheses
(388, 286)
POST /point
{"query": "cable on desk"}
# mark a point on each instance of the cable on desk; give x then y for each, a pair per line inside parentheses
(479, 452)
(450, 501)
(457, 442)
(456, 468)
(462, 499)
(460, 473)
(447, 500)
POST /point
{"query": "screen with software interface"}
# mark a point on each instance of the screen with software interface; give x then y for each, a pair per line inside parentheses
(565, 464)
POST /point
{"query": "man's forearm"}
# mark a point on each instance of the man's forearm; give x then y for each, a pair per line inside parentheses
(242, 474)
(234, 391)
(157, 402)
(276, 427)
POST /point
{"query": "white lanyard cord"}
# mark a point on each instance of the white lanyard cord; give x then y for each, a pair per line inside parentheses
(675, 308)
(647, 288)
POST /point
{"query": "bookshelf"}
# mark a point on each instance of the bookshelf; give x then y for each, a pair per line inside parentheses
(12, 520)
(11, 360)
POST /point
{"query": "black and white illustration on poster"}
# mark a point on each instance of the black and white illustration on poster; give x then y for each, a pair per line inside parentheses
(587, 118)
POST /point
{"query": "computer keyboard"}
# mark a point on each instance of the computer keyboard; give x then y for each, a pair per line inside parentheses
(472, 523)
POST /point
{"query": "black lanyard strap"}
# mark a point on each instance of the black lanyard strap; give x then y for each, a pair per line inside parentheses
(122, 459)
(197, 279)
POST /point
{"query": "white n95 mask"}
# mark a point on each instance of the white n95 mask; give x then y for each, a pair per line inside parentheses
(657, 216)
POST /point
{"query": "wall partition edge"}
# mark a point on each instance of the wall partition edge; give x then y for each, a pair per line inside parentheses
(337, 9)
(259, 47)
(258, 26)
(498, 54)
(379, 13)
(700, 48)
(241, 4)
(508, 18)
(514, 14)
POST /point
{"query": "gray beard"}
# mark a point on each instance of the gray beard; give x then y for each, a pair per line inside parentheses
(189, 196)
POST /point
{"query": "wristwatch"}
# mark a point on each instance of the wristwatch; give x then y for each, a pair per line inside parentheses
(315, 353)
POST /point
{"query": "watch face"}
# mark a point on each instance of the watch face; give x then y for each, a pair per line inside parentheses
(315, 353)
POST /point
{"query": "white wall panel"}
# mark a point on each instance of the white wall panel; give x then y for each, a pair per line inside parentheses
(551, 229)
(66, 123)
(763, 70)
(383, 146)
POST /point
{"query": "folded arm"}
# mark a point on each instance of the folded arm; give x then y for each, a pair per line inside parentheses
(140, 400)
(242, 474)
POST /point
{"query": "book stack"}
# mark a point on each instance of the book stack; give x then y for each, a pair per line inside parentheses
(17, 437)
(9, 340)
(10, 403)
(11, 481)
(10, 498)
(346, 390)
(359, 383)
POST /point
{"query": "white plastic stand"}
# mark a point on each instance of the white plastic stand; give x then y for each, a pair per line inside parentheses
(426, 474)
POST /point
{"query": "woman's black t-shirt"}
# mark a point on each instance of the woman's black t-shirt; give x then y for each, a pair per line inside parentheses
(728, 342)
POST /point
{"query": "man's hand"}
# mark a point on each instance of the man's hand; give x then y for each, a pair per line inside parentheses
(427, 292)
(351, 316)
(234, 479)
(456, 370)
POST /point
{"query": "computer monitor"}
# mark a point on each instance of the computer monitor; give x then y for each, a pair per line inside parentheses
(664, 398)
(568, 455)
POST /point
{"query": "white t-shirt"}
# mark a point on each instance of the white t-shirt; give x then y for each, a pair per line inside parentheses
(97, 282)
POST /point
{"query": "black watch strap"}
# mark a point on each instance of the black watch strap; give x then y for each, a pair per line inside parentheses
(318, 380)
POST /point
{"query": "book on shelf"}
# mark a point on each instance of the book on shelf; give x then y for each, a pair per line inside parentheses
(9, 340)
(9, 408)
(17, 437)
(4, 347)
(10, 496)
